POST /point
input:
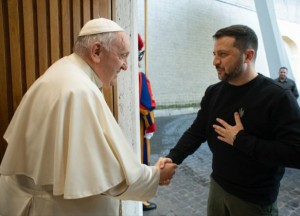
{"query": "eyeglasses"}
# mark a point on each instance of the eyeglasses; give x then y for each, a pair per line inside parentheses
(141, 55)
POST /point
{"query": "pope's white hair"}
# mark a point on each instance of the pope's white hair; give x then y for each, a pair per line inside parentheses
(83, 43)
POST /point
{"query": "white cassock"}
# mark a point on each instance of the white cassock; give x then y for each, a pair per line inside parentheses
(66, 154)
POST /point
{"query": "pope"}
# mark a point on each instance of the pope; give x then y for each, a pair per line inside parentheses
(66, 153)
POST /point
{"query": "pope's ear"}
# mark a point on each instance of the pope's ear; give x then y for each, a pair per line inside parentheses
(95, 52)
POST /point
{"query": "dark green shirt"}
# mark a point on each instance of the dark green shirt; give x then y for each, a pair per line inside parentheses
(289, 84)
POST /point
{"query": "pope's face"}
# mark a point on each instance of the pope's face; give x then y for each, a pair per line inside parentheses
(114, 60)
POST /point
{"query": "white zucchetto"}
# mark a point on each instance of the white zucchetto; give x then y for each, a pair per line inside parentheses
(99, 25)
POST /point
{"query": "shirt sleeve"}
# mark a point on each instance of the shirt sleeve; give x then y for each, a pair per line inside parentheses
(295, 90)
(146, 186)
(194, 136)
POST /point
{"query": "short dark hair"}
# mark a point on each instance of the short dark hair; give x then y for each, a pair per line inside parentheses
(245, 37)
(283, 68)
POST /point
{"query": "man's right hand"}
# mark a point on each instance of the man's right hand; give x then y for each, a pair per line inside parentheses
(167, 170)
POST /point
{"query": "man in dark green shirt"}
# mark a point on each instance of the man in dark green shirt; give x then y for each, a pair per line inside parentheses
(286, 82)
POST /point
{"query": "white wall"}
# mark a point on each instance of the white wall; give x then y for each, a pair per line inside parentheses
(292, 31)
(180, 44)
(127, 92)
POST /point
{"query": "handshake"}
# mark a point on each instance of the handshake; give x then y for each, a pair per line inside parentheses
(167, 170)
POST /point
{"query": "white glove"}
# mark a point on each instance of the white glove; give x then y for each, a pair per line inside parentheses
(149, 135)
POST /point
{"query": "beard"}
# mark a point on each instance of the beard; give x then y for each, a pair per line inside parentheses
(234, 71)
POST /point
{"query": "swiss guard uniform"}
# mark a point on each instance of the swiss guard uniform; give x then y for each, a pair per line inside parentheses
(147, 122)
